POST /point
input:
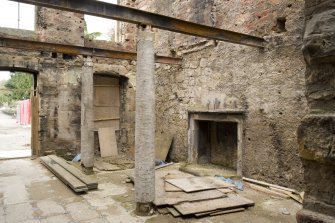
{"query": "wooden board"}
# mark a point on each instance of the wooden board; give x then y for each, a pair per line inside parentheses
(169, 198)
(35, 125)
(218, 212)
(66, 177)
(170, 187)
(230, 202)
(225, 190)
(162, 143)
(269, 185)
(174, 212)
(268, 191)
(107, 124)
(90, 181)
(193, 184)
(106, 112)
(107, 142)
(106, 95)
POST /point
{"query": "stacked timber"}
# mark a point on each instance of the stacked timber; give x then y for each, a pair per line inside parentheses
(275, 190)
(69, 174)
(183, 194)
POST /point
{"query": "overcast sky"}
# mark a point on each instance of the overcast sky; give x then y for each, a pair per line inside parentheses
(10, 17)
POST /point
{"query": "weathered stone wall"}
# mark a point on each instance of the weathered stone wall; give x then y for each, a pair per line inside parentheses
(59, 80)
(316, 133)
(268, 84)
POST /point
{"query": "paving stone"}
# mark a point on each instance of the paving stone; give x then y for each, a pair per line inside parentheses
(49, 207)
(81, 211)
(57, 219)
(18, 212)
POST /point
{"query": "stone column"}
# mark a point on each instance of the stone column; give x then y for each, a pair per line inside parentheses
(145, 122)
(87, 135)
(316, 133)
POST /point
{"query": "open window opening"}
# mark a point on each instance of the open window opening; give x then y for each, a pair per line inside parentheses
(100, 28)
(18, 106)
(17, 15)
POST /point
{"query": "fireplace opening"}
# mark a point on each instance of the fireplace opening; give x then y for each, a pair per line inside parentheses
(217, 143)
(216, 138)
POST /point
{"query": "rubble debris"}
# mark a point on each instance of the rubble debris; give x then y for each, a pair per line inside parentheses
(69, 174)
(104, 166)
(239, 184)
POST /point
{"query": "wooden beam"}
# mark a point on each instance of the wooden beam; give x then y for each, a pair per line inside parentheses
(131, 15)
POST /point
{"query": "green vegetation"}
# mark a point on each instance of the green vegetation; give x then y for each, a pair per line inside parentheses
(91, 36)
(18, 87)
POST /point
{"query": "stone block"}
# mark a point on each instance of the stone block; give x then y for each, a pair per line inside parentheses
(316, 136)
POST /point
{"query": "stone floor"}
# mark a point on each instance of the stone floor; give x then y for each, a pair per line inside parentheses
(14, 138)
(29, 193)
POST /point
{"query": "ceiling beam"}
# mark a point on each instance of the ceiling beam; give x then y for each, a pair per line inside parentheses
(79, 50)
(131, 15)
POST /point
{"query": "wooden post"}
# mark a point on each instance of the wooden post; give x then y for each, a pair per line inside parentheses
(87, 134)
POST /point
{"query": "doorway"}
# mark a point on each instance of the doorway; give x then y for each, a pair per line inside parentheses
(18, 114)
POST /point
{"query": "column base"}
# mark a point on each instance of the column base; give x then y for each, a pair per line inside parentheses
(144, 209)
(87, 170)
(307, 216)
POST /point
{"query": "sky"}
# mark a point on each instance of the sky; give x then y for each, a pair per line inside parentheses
(11, 18)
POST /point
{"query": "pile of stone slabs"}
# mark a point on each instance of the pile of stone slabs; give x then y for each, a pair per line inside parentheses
(68, 174)
(182, 194)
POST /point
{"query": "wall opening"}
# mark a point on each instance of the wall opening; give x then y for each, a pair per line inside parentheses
(19, 114)
(216, 138)
(217, 143)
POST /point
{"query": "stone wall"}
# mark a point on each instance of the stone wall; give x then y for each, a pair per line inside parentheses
(267, 84)
(59, 80)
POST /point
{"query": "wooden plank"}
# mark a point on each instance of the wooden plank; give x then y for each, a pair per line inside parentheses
(269, 185)
(268, 191)
(227, 211)
(108, 112)
(35, 125)
(230, 202)
(174, 212)
(66, 177)
(107, 142)
(193, 184)
(169, 198)
(225, 190)
(106, 96)
(170, 187)
(218, 212)
(107, 124)
(162, 143)
(90, 181)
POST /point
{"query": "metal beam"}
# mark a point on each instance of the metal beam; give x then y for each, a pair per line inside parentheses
(126, 14)
(79, 50)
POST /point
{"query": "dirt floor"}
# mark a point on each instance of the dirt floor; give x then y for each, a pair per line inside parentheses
(30, 193)
(14, 138)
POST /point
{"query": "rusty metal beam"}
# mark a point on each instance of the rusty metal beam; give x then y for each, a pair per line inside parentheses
(79, 50)
(126, 14)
